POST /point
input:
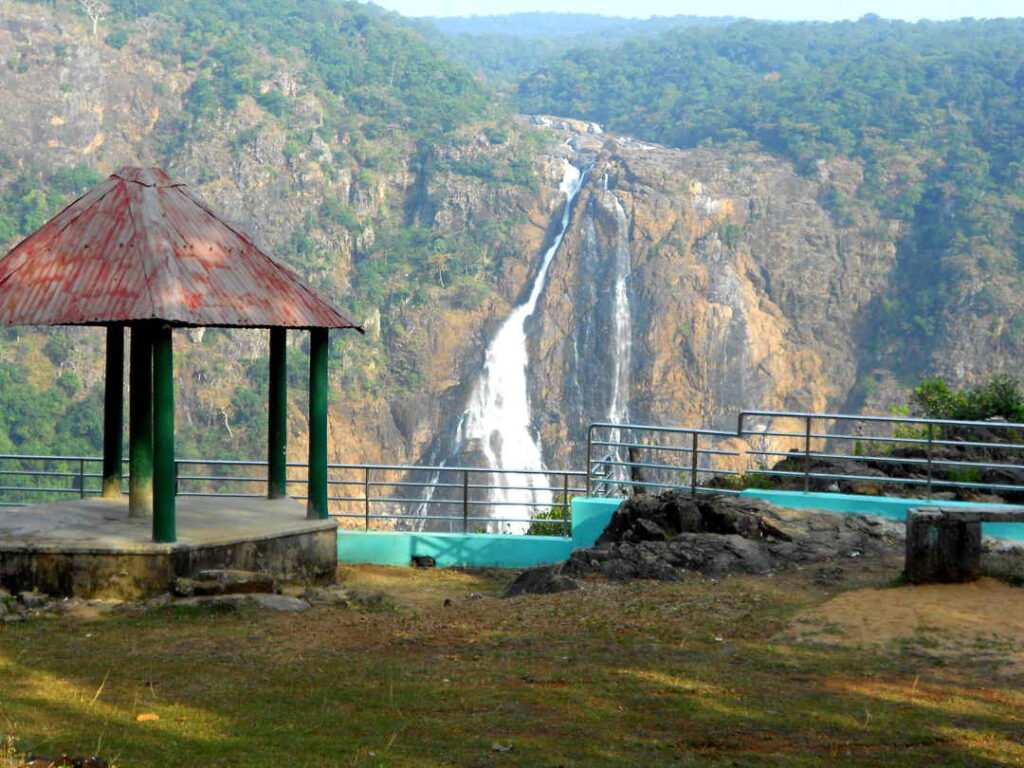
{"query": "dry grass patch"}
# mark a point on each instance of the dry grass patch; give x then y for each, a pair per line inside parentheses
(640, 674)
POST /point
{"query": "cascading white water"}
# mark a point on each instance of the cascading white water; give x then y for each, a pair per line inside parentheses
(622, 332)
(497, 417)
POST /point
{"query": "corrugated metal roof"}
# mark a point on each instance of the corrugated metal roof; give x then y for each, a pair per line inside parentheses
(141, 246)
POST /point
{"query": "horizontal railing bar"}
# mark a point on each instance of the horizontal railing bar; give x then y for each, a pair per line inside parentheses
(645, 465)
(677, 449)
(799, 456)
(881, 419)
(32, 457)
(225, 495)
(392, 500)
(885, 439)
(860, 438)
(406, 467)
(894, 480)
(469, 502)
(965, 444)
(263, 463)
(228, 462)
(644, 484)
(27, 489)
(218, 478)
(456, 522)
(470, 486)
(652, 428)
(377, 484)
(30, 473)
(453, 518)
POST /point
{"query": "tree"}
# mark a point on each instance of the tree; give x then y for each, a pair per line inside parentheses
(96, 10)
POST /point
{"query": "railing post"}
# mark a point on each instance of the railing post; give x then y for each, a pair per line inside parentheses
(177, 476)
(465, 501)
(81, 478)
(929, 457)
(366, 497)
(693, 466)
(590, 439)
(807, 455)
(566, 526)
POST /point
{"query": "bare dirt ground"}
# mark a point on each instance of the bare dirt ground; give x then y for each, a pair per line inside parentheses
(978, 623)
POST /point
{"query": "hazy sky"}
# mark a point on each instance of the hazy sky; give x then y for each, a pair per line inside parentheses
(781, 9)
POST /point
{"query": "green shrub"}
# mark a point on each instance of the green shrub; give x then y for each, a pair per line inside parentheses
(998, 397)
(559, 512)
(117, 39)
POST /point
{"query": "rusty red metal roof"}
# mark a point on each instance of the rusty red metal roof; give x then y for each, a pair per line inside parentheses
(141, 246)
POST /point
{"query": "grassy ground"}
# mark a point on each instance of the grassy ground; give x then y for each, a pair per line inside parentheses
(635, 675)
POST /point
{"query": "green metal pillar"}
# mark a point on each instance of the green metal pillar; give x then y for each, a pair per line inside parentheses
(140, 422)
(316, 506)
(113, 413)
(164, 524)
(277, 421)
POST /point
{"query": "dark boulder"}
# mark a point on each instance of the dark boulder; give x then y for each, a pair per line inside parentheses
(544, 580)
(661, 537)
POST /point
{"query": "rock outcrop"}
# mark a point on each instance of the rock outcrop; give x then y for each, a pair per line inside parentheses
(662, 537)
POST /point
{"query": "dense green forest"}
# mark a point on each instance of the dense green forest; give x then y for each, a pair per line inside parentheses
(370, 61)
(580, 27)
(934, 112)
(506, 47)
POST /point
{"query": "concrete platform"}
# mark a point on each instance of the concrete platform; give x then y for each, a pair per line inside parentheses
(90, 547)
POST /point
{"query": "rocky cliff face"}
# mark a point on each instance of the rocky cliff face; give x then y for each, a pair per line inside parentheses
(743, 292)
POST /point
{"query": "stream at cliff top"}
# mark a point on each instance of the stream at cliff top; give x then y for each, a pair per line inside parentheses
(496, 423)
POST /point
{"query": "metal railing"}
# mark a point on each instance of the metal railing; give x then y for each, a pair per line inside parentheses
(372, 493)
(631, 457)
(926, 453)
(60, 477)
(812, 451)
(415, 495)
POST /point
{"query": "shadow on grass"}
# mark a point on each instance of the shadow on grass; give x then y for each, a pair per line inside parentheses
(631, 676)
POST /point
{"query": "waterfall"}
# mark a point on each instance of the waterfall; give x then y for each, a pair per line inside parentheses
(622, 333)
(497, 420)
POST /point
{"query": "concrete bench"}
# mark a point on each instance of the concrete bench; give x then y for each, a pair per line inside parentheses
(944, 543)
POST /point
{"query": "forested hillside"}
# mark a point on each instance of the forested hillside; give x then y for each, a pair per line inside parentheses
(845, 216)
(506, 47)
(331, 130)
(932, 112)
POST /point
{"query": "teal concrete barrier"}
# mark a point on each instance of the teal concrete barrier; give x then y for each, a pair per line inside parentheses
(893, 507)
(589, 518)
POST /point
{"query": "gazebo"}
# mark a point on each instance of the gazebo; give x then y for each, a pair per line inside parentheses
(140, 251)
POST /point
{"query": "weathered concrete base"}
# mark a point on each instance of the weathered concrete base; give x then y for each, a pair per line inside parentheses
(91, 548)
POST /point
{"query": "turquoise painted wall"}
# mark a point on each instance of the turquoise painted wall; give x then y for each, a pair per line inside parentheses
(884, 506)
(589, 518)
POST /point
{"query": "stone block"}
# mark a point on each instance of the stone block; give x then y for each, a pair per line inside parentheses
(941, 548)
